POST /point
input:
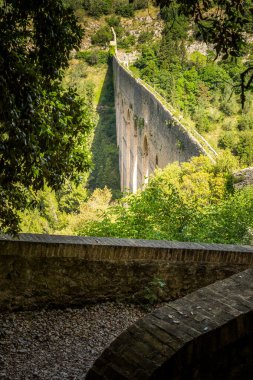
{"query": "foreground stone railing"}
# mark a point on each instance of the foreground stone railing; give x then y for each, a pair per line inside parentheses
(46, 271)
(206, 335)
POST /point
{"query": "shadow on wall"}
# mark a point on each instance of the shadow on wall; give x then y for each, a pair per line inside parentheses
(104, 146)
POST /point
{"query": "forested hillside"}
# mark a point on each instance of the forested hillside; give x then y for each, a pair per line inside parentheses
(171, 56)
(192, 202)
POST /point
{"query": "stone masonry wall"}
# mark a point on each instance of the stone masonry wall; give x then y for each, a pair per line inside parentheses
(147, 134)
(44, 271)
(204, 336)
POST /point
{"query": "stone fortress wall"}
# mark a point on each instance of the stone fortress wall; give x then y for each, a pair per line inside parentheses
(148, 135)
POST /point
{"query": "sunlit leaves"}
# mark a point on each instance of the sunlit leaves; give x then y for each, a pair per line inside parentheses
(43, 126)
(188, 202)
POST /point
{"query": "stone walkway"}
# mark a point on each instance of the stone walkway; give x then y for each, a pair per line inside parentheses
(59, 344)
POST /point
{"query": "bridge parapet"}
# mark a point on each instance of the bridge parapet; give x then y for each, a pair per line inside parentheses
(39, 271)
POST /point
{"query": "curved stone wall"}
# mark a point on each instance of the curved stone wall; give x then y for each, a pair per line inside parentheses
(147, 133)
(204, 336)
(44, 271)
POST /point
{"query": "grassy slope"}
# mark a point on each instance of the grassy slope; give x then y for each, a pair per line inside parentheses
(103, 140)
(100, 79)
(104, 145)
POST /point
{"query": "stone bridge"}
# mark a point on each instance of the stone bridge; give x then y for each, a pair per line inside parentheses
(208, 334)
(149, 134)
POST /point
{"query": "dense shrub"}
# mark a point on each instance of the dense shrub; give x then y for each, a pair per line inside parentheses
(203, 123)
(229, 105)
(75, 4)
(113, 20)
(97, 8)
(191, 202)
(244, 147)
(124, 9)
(214, 76)
(228, 140)
(102, 37)
(145, 37)
(245, 122)
(140, 4)
(126, 42)
(93, 57)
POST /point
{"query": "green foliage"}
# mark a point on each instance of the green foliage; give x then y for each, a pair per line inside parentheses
(46, 216)
(43, 127)
(145, 37)
(105, 156)
(154, 292)
(139, 122)
(223, 23)
(124, 9)
(127, 41)
(192, 202)
(216, 27)
(74, 4)
(90, 211)
(97, 8)
(245, 122)
(244, 147)
(161, 210)
(228, 140)
(214, 75)
(140, 4)
(102, 37)
(196, 85)
(228, 222)
(71, 196)
(199, 60)
(113, 21)
(63, 211)
(229, 105)
(93, 57)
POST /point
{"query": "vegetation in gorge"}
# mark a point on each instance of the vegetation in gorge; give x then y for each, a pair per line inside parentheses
(62, 210)
(192, 202)
(203, 89)
(123, 8)
(43, 126)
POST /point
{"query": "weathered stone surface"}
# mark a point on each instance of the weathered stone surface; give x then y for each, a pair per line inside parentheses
(43, 271)
(199, 337)
(148, 134)
(243, 178)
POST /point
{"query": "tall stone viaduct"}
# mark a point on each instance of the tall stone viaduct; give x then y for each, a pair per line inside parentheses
(206, 335)
(148, 133)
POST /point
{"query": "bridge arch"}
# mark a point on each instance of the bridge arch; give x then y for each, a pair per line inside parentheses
(135, 158)
(206, 335)
(156, 122)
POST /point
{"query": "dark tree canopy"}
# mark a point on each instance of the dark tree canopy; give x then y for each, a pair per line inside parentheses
(42, 125)
(224, 23)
